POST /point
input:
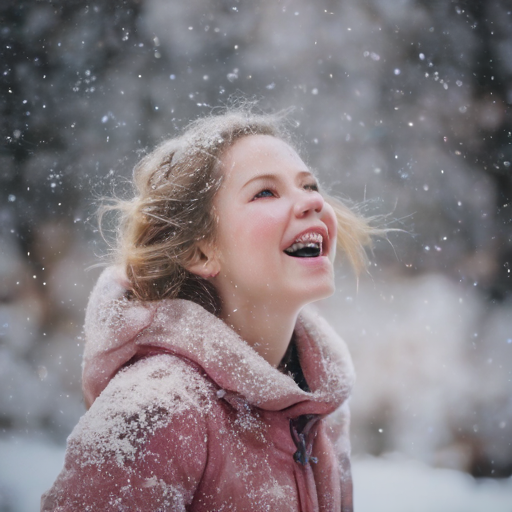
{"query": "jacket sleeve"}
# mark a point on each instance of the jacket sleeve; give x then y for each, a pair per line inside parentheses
(338, 428)
(141, 446)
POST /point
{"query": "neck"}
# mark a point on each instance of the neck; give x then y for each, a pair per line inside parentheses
(267, 327)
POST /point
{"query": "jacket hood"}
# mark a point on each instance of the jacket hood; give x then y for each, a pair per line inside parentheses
(119, 330)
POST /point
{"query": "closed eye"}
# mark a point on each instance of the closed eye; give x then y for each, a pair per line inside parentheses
(264, 193)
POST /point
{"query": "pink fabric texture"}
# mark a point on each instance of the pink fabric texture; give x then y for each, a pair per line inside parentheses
(185, 416)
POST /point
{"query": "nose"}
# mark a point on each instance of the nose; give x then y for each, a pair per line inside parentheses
(309, 201)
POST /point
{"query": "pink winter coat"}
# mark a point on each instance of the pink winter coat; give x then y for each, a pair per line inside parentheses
(186, 416)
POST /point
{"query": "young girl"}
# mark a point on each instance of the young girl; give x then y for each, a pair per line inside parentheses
(209, 388)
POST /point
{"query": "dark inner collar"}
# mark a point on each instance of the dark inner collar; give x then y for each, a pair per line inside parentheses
(290, 365)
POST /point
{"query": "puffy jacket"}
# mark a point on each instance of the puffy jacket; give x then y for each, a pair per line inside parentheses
(186, 416)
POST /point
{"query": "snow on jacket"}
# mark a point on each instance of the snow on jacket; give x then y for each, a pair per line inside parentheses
(186, 416)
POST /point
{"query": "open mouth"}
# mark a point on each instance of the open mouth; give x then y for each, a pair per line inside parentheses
(308, 245)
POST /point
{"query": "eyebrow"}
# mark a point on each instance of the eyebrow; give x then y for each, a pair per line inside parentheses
(275, 177)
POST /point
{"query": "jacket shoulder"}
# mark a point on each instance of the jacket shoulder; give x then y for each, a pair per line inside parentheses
(152, 394)
(143, 440)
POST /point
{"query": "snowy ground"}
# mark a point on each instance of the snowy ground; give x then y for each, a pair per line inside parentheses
(396, 484)
(388, 484)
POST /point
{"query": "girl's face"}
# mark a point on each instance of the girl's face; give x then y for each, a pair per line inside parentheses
(276, 236)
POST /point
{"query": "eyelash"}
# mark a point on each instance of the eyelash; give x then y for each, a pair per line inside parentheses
(259, 196)
(309, 186)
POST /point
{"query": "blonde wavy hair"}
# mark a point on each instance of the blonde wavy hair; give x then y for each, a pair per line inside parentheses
(158, 229)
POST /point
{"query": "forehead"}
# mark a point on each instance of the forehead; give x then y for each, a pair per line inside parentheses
(260, 154)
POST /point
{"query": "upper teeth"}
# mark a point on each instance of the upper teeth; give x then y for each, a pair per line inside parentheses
(306, 240)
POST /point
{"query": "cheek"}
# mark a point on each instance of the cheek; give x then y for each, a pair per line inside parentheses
(332, 225)
(262, 234)
(266, 225)
(253, 239)
(258, 222)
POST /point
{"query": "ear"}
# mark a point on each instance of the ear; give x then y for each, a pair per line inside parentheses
(204, 261)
